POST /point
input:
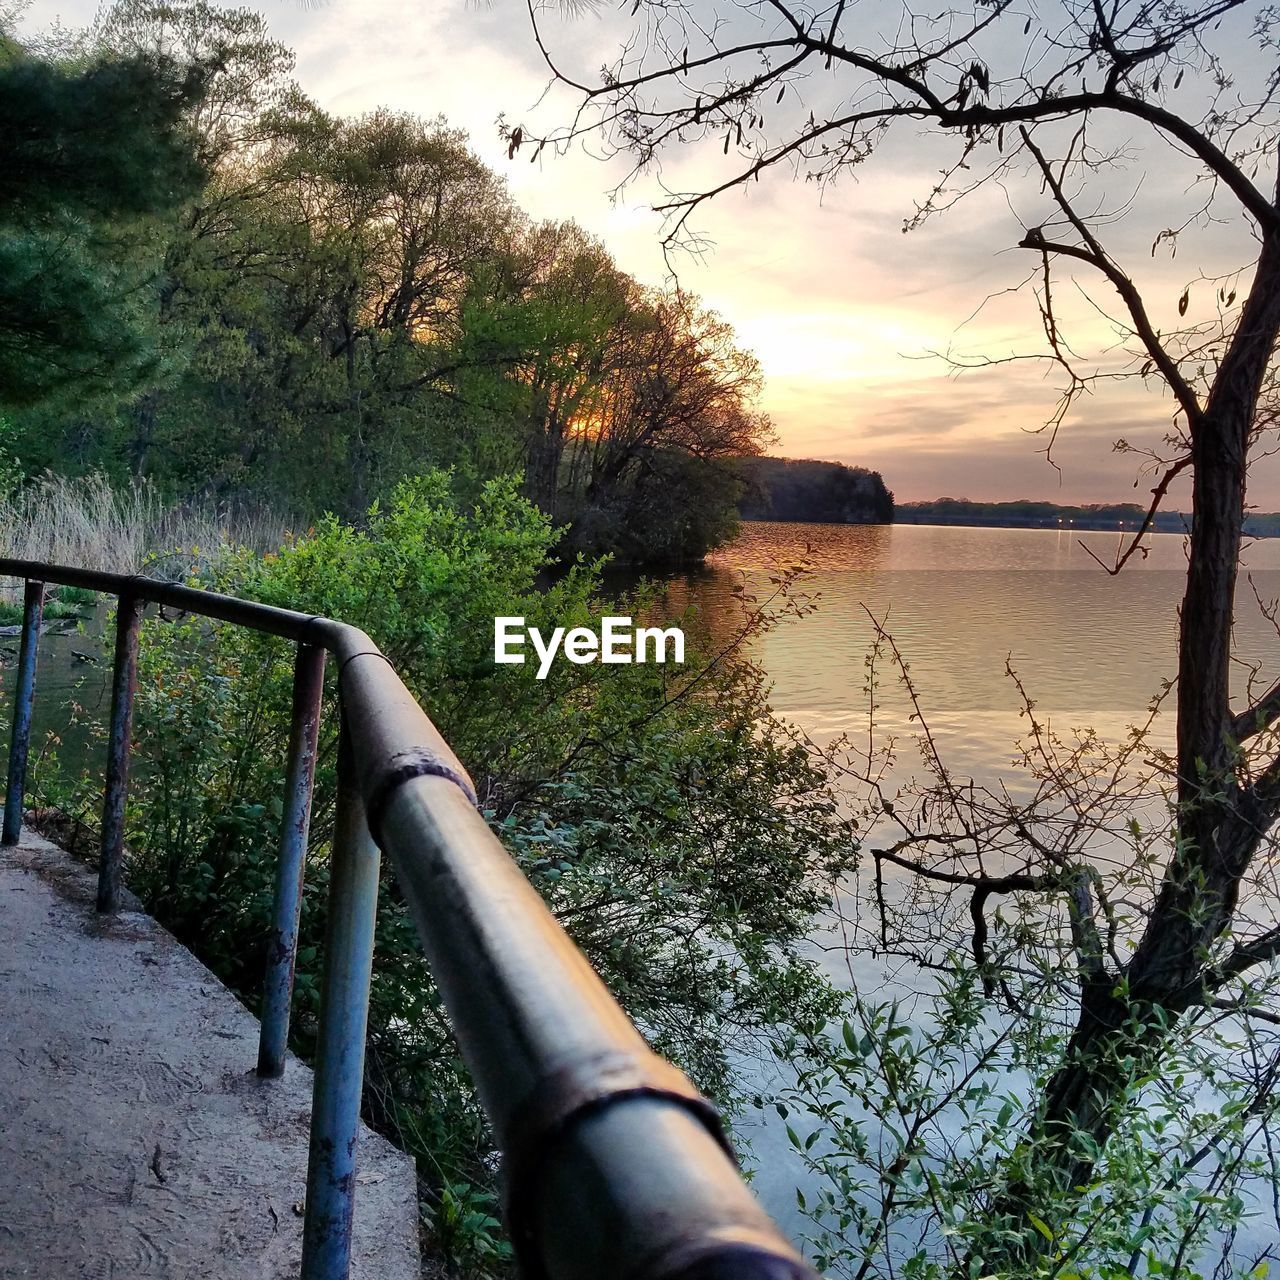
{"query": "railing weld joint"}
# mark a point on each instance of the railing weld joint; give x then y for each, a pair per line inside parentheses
(564, 1097)
(363, 653)
(316, 622)
(419, 762)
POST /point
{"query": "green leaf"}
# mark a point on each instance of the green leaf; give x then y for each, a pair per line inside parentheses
(851, 1039)
(1041, 1227)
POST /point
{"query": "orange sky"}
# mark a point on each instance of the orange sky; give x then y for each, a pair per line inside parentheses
(841, 308)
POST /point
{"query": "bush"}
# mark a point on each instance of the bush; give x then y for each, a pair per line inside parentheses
(681, 834)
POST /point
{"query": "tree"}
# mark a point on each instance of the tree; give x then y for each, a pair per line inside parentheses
(248, 90)
(1061, 99)
(687, 386)
(344, 302)
(394, 215)
(91, 155)
(628, 397)
(650, 476)
(804, 489)
(559, 323)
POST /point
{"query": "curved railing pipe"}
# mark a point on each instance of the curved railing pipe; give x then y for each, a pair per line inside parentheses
(614, 1166)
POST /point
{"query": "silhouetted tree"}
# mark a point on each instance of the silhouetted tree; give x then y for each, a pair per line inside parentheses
(1064, 98)
(805, 489)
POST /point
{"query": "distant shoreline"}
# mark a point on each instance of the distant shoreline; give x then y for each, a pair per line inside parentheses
(1263, 524)
(1118, 517)
(1085, 523)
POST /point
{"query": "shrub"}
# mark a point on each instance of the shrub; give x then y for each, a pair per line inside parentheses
(683, 836)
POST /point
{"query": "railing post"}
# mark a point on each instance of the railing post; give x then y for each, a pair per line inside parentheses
(23, 699)
(123, 684)
(344, 1013)
(300, 773)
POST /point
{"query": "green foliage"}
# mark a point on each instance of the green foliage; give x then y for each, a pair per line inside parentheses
(77, 596)
(100, 140)
(72, 322)
(90, 155)
(465, 1224)
(10, 466)
(672, 511)
(61, 604)
(1020, 1110)
(913, 1123)
(676, 828)
(346, 302)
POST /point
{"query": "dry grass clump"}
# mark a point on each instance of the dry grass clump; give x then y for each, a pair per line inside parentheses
(87, 522)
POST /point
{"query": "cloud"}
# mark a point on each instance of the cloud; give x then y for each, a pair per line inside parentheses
(838, 304)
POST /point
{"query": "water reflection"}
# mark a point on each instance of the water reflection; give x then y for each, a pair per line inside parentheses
(72, 689)
(1091, 648)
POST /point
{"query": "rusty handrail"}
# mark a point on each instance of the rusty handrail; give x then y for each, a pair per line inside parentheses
(615, 1168)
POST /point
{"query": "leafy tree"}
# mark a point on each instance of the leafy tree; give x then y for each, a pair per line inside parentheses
(1056, 102)
(686, 393)
(671, 509)
(628, 397)
(248, 90)
(91, 154)
(348, 301)
(578, 308)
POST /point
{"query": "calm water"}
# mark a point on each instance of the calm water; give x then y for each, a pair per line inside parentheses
(1090, 648)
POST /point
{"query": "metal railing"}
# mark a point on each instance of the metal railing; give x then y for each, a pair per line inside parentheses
(614, 1167)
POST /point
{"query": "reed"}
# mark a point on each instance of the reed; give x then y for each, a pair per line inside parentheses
(89, 522)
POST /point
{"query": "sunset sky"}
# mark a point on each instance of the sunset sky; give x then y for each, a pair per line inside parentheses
(839, 306)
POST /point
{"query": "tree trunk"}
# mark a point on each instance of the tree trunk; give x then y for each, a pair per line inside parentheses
(542, 477)
(1219, 823)
(144, 425)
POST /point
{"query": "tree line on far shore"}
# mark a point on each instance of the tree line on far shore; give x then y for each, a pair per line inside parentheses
(1026, 513)
(804, 489)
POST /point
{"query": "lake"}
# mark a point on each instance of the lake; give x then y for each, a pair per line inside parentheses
(1090, 648)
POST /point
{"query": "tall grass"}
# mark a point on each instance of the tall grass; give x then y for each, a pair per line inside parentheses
(87, 522)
